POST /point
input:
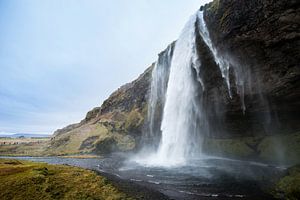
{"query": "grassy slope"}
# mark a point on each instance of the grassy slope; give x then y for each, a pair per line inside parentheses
(73, 142)
(27, 180)
(103, 135)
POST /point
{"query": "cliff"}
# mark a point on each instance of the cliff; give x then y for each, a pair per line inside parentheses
(260, 41)
(115, 126)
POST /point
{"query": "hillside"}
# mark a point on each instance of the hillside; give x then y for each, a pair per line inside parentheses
(112, 127)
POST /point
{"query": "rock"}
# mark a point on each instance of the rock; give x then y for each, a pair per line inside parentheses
(92, 114)
(263, 39)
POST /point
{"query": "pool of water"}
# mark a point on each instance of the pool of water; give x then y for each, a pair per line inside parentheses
(205, 178)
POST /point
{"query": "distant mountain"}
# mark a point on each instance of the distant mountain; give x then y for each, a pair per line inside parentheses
(26, 135)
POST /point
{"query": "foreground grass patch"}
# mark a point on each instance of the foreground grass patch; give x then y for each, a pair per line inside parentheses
(29, 180)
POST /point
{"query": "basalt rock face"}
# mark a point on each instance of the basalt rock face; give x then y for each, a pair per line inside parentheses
(260, 38)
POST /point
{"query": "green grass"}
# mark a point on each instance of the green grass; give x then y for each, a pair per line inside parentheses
(22, 180)
(30, 149)
(288, 187)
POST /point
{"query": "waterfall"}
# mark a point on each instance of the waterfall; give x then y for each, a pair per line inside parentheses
(223, 63)
(179, 138)
(178, 88)
(160, 76)
(181, 110)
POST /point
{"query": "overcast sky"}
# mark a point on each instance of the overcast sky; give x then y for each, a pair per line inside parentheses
(60, 58)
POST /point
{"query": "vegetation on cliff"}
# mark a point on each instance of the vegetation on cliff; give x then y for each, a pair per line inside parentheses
(279, 149)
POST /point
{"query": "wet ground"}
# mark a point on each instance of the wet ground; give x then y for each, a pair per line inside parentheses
(206, 178)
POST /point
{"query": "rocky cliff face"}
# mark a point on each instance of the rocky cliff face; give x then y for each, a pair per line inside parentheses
(260, 41)
(115, 126)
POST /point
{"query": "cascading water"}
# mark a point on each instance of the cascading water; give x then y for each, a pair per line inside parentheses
(179, 124)
(223, 63)
(179, 138)
(184, 122)
(160, 76)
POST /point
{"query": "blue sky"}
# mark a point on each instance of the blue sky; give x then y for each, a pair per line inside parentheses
(60, 58)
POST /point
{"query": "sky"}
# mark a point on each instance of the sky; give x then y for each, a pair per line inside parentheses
(61, 58)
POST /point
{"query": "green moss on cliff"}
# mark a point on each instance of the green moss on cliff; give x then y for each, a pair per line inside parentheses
(213, 6)
(227, 147)
(133, 121)
(106, 145)
(125, 142)
(284, 148)
(276, 148)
